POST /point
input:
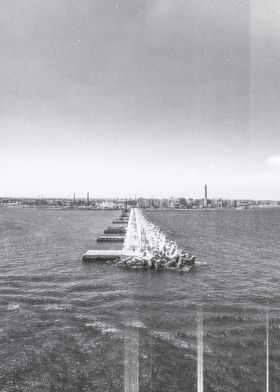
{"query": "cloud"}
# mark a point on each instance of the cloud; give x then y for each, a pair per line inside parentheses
(274, 160)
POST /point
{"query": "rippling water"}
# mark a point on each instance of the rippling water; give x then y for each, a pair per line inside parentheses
(64, 323)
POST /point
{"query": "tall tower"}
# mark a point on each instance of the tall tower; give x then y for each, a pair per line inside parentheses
(205, 195)
(87, 198)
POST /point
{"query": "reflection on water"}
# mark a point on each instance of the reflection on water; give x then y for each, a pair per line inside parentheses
(131, 359)
(200, 352)
(267, 353)
(69, 326)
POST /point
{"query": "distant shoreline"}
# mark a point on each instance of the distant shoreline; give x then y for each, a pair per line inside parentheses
(264, 207)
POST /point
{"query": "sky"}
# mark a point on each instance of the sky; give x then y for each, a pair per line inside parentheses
(153, 98)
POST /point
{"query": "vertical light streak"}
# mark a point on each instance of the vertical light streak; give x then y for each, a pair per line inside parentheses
(131, 347)
(267, 353)
(200, 352)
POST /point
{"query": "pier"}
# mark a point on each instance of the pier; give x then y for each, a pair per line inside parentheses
(103, 238)
(132, 244)
(132, 241)
(115, 230)
(119, 221)
(102, 255)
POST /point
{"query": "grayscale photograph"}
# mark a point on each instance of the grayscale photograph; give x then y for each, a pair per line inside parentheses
(140, 196)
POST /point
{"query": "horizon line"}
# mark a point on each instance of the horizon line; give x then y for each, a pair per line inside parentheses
(42, 197)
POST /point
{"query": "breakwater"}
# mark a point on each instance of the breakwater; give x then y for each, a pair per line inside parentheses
(146, 246)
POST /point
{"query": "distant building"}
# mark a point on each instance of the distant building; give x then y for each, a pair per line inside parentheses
(141, 203)
(155, 203)
(241, 204)
(108, 205)
(164, 203)
(171, 202)
(205, 196)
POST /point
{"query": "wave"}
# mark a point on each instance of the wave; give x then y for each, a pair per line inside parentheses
(167, 337)
(57, 307)
(103, 327)
(136, 324)
(13, 306)
(179, 343)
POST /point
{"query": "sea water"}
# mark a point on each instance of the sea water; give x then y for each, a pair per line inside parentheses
(72, 326)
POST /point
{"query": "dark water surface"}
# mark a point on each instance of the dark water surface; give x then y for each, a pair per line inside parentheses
(63, 322)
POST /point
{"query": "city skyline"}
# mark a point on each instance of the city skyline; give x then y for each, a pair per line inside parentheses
(152, 98)
(178, 203)
(75, 198)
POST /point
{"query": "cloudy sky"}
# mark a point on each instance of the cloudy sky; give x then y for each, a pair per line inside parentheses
(146, 97)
